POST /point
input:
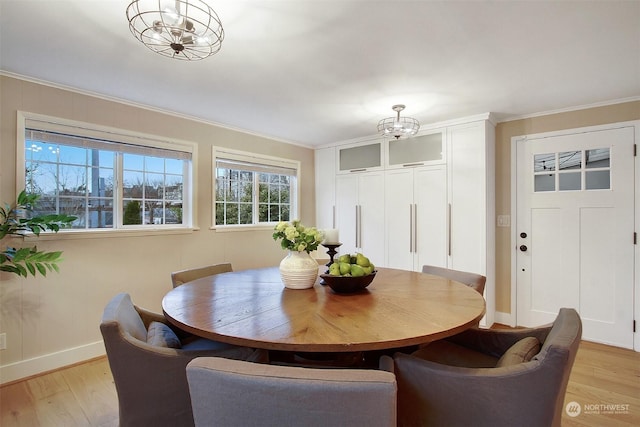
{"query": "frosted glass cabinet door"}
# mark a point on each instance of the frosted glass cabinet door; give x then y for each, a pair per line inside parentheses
(359, 158)
(420, 150)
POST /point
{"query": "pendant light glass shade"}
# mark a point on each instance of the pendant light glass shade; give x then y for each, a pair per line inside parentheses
(182, 29)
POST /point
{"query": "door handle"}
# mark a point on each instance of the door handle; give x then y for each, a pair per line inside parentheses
(523, 248)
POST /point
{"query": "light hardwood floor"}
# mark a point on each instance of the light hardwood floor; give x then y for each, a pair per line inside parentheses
(84, 395)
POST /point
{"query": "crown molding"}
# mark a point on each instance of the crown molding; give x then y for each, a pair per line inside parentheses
(148, 107)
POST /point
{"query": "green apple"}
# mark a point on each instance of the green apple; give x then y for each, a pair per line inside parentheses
(367, 270)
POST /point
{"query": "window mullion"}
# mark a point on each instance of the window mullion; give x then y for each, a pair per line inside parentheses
(118, 203)
(255, 208)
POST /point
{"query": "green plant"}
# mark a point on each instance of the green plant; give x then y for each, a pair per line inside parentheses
(297, 237)
(29, 260)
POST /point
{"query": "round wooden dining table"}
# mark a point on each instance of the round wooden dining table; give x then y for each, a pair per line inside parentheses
(252, 308)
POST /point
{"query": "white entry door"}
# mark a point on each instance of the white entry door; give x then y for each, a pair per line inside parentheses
(575, 231)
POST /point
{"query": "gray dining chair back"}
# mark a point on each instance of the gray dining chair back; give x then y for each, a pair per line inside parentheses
(148, 360)
(184, 276)
(473, 280)
(489, 377)
(236, 393)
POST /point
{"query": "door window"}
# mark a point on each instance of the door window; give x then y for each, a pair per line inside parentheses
(572, 170)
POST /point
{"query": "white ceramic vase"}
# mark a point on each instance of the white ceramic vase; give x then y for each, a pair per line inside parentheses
(298, 270)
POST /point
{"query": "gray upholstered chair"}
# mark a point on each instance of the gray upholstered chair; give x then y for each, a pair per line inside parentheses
(235, 393)
(481, 377)
(148, 360)
(184, 276)
(476, 281)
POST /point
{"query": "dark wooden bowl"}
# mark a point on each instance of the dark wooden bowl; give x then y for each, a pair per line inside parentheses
(347, 284)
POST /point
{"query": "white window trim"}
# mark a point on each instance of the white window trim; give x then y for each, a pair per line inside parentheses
(228, 153)
(118, 135)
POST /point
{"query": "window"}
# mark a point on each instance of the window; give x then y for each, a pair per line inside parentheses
(254, 190)
(108, 179)
(574, 170)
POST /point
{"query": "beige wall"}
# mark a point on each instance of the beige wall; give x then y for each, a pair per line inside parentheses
(504, 132)
(62, 312)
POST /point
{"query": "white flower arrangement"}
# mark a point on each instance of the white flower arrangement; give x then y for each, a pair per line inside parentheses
(297, 237)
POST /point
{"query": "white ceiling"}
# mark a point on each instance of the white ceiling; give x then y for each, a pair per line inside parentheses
(314, 72)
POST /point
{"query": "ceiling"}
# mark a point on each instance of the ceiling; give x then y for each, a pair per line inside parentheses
(314, 72)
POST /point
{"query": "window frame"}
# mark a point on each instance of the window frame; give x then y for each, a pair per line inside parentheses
(258, 159)
(27, 120)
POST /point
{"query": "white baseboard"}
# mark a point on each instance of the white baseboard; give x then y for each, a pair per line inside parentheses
(37, 365)
(504, 318)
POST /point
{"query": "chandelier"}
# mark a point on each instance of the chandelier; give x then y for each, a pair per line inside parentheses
(398, 127)
(182, 29)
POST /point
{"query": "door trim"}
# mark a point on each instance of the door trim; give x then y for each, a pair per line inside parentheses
(513, 318)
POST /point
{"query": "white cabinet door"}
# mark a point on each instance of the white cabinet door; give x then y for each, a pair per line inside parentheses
(472, 204)
(371, 216)
(325, 175)
(346, 211)
(399, 211)
(416, 208)
(467, 196)
(360, 214)
(430, 212)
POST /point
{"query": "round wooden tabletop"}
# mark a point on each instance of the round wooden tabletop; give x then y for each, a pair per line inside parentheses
(252, 308)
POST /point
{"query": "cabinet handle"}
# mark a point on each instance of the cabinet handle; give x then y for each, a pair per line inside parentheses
(356, 227)
(333, 220)
(358, 170)
(410, 227)
(415, 228)
(449, 229)
(359, 226)
(408, 165)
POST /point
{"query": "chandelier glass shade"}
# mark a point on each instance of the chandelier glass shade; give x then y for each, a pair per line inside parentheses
(181, 29)
(398, 127)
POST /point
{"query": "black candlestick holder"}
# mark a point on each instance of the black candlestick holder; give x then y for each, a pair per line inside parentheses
(331, 252)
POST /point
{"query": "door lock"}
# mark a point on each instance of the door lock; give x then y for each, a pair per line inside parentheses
(523, 248)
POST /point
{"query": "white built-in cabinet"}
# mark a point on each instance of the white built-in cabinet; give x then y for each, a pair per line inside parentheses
(423, 200)
(471, 183)
(325, 178)
(360, 214)
(416, 206)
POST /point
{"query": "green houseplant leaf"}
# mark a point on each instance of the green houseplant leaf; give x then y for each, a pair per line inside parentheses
(29, 260)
